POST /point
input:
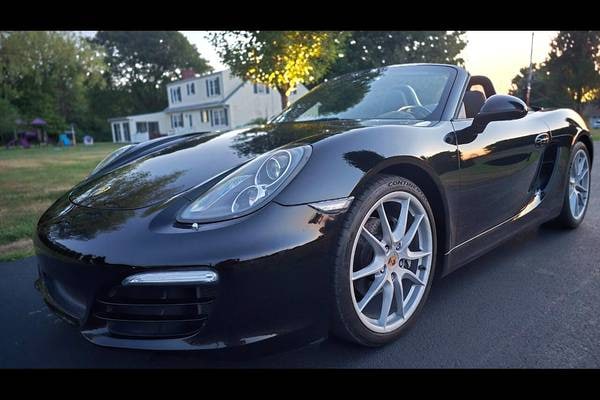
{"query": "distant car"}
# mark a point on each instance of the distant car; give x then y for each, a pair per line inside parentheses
(595, 122)
(332, 217)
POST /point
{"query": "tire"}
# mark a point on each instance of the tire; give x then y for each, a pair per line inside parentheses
(355, 252)
(568, 218)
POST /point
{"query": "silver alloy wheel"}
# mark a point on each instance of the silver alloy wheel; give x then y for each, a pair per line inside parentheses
(579, 184)
(401, 255)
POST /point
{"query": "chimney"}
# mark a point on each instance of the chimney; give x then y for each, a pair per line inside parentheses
(188, 73)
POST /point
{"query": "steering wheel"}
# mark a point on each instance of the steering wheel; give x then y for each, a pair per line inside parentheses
(418, 111)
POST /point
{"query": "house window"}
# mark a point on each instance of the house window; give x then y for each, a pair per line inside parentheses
(190, 119)
(153, 128)
(204, 116)
(117, 130)
(191, 88)
(258, 88)
(126, 133)
(213, 87)
(177, 121)
(219, 117)
(141, 127)
(176, 94)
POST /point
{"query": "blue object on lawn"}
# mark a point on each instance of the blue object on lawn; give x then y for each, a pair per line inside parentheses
(64, 139)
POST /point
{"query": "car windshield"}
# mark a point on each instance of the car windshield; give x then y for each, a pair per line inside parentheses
(416, 92)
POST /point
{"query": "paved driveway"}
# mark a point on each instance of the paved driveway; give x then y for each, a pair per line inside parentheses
(533, 302)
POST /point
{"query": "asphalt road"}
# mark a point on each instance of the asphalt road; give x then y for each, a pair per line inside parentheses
(533, 302)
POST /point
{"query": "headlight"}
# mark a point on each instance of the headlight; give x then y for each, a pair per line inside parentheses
(249, 187)
(109, 158)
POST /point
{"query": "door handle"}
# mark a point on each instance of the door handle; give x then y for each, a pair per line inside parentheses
(542, 139)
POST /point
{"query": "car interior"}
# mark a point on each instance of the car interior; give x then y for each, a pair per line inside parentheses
(479, 89)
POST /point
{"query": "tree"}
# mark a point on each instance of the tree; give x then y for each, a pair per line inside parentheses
(545, 91)
(570, 76)
(48, 74)
(8, 117)
(140, 64)
(575, 61)
(280, 59)
(372, 49)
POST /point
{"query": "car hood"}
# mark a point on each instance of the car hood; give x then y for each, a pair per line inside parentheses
(186, 164)
(170, 171)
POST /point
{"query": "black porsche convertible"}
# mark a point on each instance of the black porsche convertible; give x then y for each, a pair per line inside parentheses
(333, 217)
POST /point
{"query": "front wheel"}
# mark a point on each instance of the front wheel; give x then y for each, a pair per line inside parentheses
(385, 262)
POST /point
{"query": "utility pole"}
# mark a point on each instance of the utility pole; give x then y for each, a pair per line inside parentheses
(528, 93)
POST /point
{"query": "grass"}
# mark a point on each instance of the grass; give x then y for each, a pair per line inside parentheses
(31, 180)
(595, 134)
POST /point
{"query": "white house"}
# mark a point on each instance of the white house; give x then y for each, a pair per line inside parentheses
(216, 101)
(138, 128)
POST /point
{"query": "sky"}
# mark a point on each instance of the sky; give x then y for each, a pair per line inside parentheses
(500, 54)
(496, 54)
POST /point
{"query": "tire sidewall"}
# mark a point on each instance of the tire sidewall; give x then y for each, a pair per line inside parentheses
(566, 213)
(344, 305)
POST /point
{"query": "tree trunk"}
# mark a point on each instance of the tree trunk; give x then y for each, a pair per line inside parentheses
(284, 97)
(579, 101)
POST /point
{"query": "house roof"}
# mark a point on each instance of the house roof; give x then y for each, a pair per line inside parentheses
(117, 119)
(194, 106)
(195, 77)
(128, 117)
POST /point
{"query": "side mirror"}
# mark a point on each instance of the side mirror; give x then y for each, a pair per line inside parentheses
(499, 107)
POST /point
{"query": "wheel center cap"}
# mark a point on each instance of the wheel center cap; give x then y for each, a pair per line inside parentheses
(393, 260)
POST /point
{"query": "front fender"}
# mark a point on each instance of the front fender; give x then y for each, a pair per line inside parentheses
(340, 163)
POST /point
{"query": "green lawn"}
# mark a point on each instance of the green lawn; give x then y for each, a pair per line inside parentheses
(31, 180)
(595, 134)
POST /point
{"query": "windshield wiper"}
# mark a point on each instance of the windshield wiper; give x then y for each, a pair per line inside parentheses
(319, 119)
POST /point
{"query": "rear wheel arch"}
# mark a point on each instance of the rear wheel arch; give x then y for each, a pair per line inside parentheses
(585, 139)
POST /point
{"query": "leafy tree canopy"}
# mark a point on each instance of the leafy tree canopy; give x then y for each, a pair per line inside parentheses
(569, 77)
(544, 90)
(8, 116)
(65, 78)
(47, 74)
(142, 63)
(372, 49)
(280, 59)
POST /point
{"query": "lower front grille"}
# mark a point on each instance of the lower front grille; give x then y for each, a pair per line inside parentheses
(155, 311)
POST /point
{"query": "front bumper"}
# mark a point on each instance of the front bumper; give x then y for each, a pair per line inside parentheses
(272, 268)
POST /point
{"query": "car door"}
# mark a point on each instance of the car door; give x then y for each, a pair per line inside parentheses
(498, 168)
